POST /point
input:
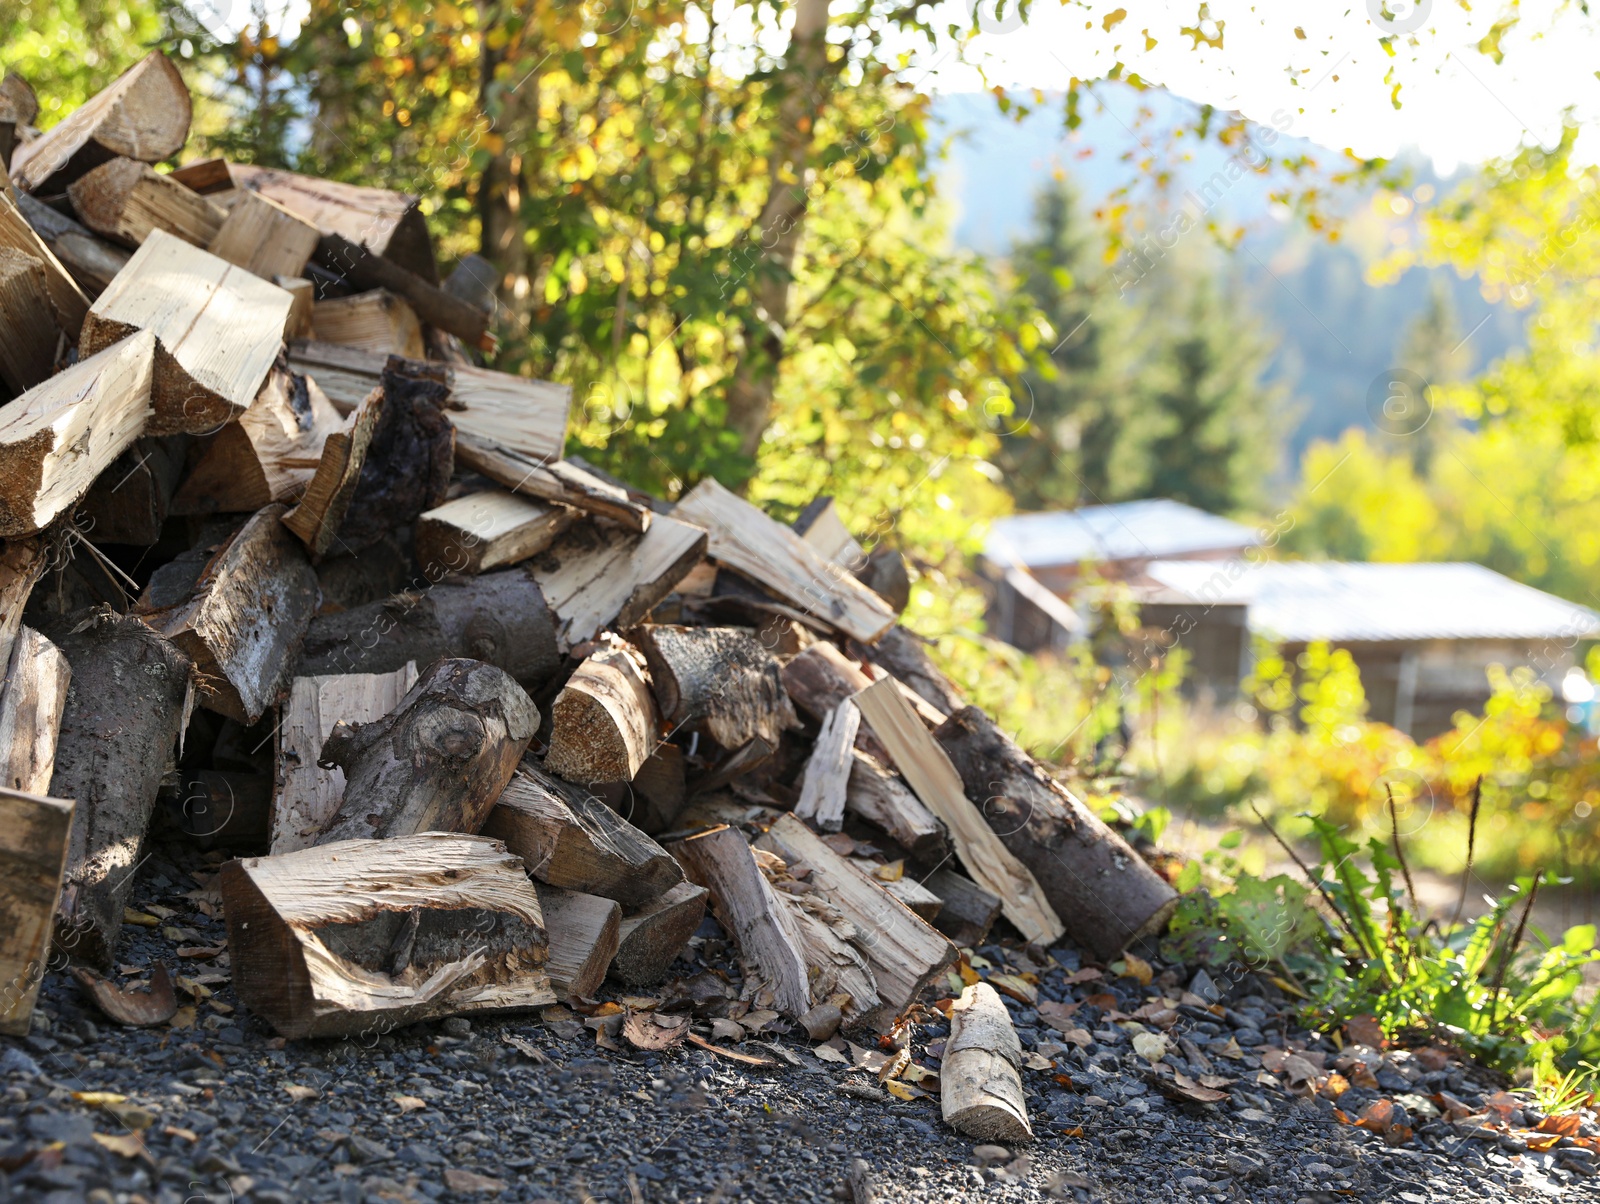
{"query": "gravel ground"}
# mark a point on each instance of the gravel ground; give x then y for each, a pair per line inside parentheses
(457, 1111)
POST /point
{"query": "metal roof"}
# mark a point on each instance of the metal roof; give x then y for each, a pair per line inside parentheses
(1122, 531)
(1300, 601)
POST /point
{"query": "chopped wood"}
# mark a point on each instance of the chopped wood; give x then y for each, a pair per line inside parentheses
(719, 680)
(143, 115)
(659, 790)
(270, 455)
(304, 296)
(904, 953)
(363, 269)
(322, 507)
(969, 911)
(263, 237)
(130, 500)
(378, 322)
(29, 332)
(22, 563)
(1110, 895)
(125, 710)
(553, 480)
(487, 530)
(980, 1075)
(927, 768)
(597, 580)
(243, 621)
(826, 783)
(60, 435)
(218, 330)
(750, 911)
(473, 281)
(604, 721)
(835, 968)
(584, 932)
(569, 838)
(878, 796)
(819, 678)
(744, 538)
(308, 793)
(885, 574)
(438, 761)
(79, 263)
(18, 109)
(369, 935)
(18, 234)
(125, 200)
(652, 936)
(208, 177)
(904, 655)
(31, 701)
(516, 414)
(820, 526)
(499, 617)
(34, 834)
(918, 899)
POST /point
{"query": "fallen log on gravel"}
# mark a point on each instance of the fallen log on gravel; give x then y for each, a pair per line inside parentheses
(34, 836)
(980, 1079)
(652, 935)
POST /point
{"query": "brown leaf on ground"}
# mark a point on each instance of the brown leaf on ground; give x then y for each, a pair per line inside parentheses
(654, 1032)
(1565, 1125)
(410, 1103)
(1016, 986)
(1058, 1015)
(1364, 1030)
(1087, 974)
(124, 1145)
(300, 1094)
(137, 1009)
(470, 1182)
(1135, 968)
(1181, 1087)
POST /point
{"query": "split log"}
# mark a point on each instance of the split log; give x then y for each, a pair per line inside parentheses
(125, 200)
(927, 768)
(80, 264)
(224, 808)
(378, 322)
(904, 953)
(500, 618)
(365, 936)
(980, 1075)
(218, 330)
(659, 790)
(269, 455)
(31, 701)
(308, 794)
(584, 932)
(125, 710)
(885, 574)
(18, 109)
(34, 835)
(303, 294)
(819, 679)
(386, 223)
(29, 332)
(608, 580)
(918, 899)
(905, 656)
(553, 480)
(750, 911)
(568, 838)
(438, 761)
(884, 801)
(969, 911)
(322, 507)
(243, 622)
(143, 115)
(488, 530)
(60, 435)
(763, 549)
(130, 500)
(835, 968)
(820, 525)
(718, 680)
(263, 237)
(22, 563)
(366, 271)
(829, 769)
(1088, 873)
(651, 937)
(604, 721)
(473, 281)
(208, 177)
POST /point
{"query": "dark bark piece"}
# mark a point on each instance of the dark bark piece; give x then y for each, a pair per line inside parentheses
(320, 513)
(34, 835)
(365, 270)
(84, 263)
(718, 680)
(659, 790)
(438, 761)
(31, 701)
(378, 571)
(883, 800)
(969, 911)
(822, 677)
(500, 618)
(365, 936)
(1106, 893)
(583, 931)
(144, 1008)
(652, 936)
(905, 656)
(409, 460)
(568, 838)
(604, 721)
(125, 710)
(130, 500)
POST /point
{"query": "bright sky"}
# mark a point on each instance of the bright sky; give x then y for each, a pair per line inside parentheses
(1457, 105)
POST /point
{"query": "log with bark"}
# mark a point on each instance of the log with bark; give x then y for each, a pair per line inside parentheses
(365, 936)
(22, 563)
(60, 435)
(718, 680)
(821, 677)
(878, 796)
(218, 331)
(583, 932)
(487, 530)
(926, 766)
(79, 262)
(438, 761)
(652, 936)
(18, 109)
(263, 237)
(130, 500)
(659, 790)
(243, 620)
(365, 271)
(125, 199)
(826, 783)
(119, 729)
(968, 911)
(1106, 892)
(34, 835)
(604, 722)
(31, 701)
(29, 332)
(569, 838)
(980, 1075)
(919, 900)
(376, 322)
(322, 507)
(407, 466)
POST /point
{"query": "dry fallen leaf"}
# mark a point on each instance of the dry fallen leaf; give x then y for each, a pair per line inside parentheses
(1087, 974)
(1058, 1015)
(914, 1073)
(410, 1103)
(184, 1017)
(98, 1099)
(652, 1032)
(193, 987)
(902, 1091)
(124, 1145)
(137, 1009)
(829, 1054)
(1036, 1061)
(1134, 967)
(732, 1030)
(300, 1094)
(1152, 1047)
(892, 1068)
(1080, 1037)
(201, 952)
(469, 1182)
(142, 919)
(1016, 986)
(1364, 1030)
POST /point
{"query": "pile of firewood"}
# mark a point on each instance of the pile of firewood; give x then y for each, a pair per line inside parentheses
(299, 577)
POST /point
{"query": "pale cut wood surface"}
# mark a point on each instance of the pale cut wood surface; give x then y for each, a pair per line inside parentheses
(327, 495)
(826, 783)
(583, 931)
(126, 199)
(554, 480)
(980, 1075)
(31, 701)
(363, 270)
(309, 794)
(918, 899)
(34, 832)
(218, 330)
(263, 237)
(303, 295)
(480, 531)
(719, 680)
(326, 945)
(604, 722)
(60, 435)
(884, 801)
(18, 234)
(834, 966)
(651, 937)
(29, 331)
(927, 768)
(377, 322)
(825, 531)
(763, 549)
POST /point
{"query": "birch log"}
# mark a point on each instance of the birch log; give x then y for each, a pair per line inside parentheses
(980, 1075)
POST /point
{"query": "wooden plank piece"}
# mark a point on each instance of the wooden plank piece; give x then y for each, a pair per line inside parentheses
(487, 530)
(878, 796)
(263, 237)
(652, 936)
(17, 234)
(377, 322)
(364, 269)
(31, 701)
(34, 835)
(826, 783)
(968, 911)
